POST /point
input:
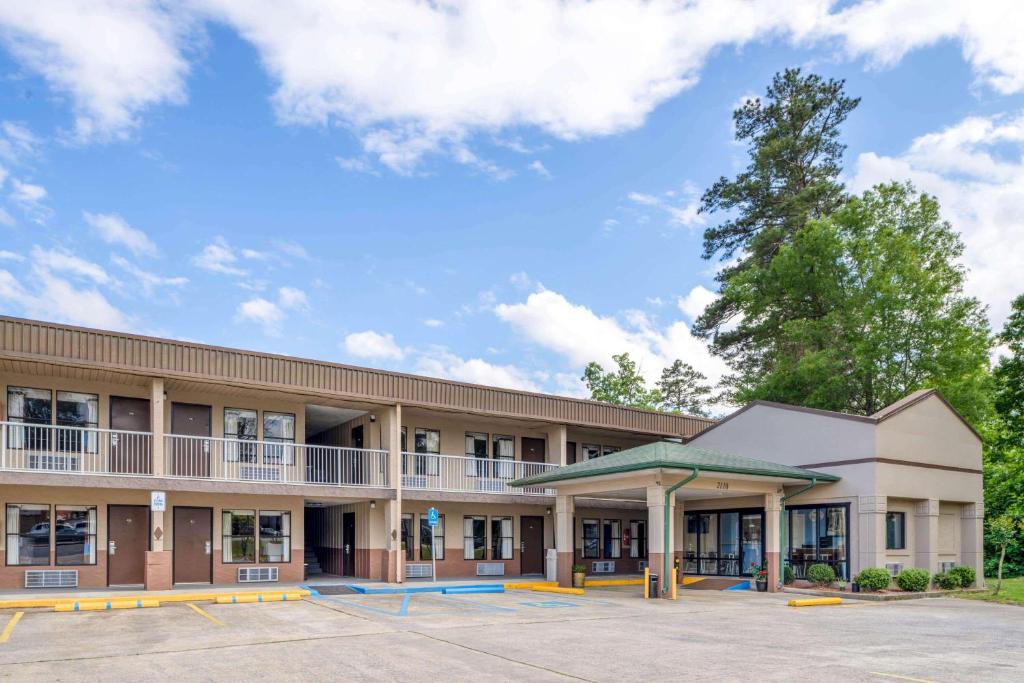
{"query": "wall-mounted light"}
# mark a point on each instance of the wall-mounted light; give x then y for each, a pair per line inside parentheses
(373, 505)
(549, 511)
(373, 418)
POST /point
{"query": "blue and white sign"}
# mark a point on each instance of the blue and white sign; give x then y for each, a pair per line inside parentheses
(433, 518)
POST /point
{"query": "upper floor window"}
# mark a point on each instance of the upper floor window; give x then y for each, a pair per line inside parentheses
(608, 450)
(591, 451)
(504, 450)
(428, 446)
(476, 447)
(279, 430)
(75, 409)
(31, 406)
(240, 425)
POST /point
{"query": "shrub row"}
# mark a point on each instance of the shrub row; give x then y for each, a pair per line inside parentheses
(916, 580)
(960, 576)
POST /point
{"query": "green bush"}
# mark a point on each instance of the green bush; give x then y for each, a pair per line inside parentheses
(873, 579)
(821, 574)
(965, 576)
(946, 581)
(788, 577)
(915, 580)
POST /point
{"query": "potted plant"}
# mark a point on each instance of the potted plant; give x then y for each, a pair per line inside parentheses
(760, 572)
(579, 575)
(841, 584)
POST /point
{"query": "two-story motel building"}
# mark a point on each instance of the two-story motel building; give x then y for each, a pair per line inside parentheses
(273, 466)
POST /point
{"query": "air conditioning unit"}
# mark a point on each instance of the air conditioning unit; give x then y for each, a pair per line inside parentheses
(256, 574)
(490, 569)
(414, 481)
(603, 567)
(641, 565)
(894, 568)
(58, 463)
(256, 473)
(946, 566)
(417, 571)
(491, 485)
(51, 578)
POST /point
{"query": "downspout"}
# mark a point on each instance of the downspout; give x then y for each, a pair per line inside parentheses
(782, 526)
(668, 521)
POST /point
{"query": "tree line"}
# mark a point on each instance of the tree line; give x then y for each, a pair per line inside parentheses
(840, 301)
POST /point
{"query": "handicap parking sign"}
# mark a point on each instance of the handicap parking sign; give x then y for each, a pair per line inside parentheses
(432, 517)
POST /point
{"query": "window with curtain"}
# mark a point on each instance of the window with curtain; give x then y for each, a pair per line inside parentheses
(275, 536)
(28, 535)
(501, 538)
(425, 535)
(240, 425)
(590, 451)
(239, 536)
(612, 539)
(895, 531)
(608, 450)
(638, 539)
(476, 448)
(428, 447)
(75, 534)
(591, 539)
(408, 541)
(504, 456)
(474, 541)
(279, 433)
(75, 409)
(29, 407)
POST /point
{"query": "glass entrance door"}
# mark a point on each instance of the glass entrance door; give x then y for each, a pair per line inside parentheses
(723, 543)
(750, 528)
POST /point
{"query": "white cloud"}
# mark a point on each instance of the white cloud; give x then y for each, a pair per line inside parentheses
(370, 344)
(444, 364)
(63, 261)
(16, 142)
(433, 322)
(976, 170)
(10, 256)
(575, 332)
(47, 296)
(6, 218)
(292, 249)
(694, 303)
(520, 280)
(356, 165)
(539, 168)
(113, 229)
(113, 58)
(265, 313)
(27, 193)
(682, 208)
(149, 281)
(218, 257)
(292, 298)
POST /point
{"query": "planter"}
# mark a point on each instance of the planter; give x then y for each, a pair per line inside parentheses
(855, 587)
(762, 586)
(578, 578)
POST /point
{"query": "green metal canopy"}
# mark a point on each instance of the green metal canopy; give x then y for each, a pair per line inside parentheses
(672, 455)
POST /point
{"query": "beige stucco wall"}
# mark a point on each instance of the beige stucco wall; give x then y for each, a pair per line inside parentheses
(928, 432)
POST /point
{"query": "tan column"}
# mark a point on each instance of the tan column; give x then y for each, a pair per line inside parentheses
(557, 448)
(393, 514)
(565, 538)
(656, 550)
(871, 527)
(773, 539)
(972, 538)
(156, 418)
(926, 535)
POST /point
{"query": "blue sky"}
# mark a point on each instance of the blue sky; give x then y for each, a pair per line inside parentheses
(475, 191)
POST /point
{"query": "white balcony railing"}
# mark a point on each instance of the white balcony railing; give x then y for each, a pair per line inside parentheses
(432, 472)
(78, 450)
(199, 457)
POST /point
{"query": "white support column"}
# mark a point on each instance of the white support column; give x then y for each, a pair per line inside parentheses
(557, 448)
(565, 537)
(656, 549)
(156, 419)
(392, 431)
(972, 538)
(926, 535)
(871, 527)
(773, 551)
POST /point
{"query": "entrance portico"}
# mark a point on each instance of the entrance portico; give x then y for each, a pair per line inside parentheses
(666, 475)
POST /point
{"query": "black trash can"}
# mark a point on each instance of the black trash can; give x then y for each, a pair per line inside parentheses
(652, 589)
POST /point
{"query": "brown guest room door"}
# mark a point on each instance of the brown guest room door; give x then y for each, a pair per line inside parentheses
(193, 545)
(531, 531)
(191, 456)
(127, 543)
(129, 453)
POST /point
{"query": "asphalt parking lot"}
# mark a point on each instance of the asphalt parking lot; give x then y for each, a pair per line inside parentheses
(606, 635)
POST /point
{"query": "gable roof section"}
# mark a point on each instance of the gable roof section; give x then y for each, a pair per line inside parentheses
(65, 345)
(884, 414)
(672, 455)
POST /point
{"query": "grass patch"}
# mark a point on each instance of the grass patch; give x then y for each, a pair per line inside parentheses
(1011, 594)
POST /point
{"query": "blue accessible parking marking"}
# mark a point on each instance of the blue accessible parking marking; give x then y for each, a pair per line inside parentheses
(550, 604)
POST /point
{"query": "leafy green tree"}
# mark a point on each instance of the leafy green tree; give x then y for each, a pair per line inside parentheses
(1002, 531)
(792, 136)
(860, 308)
(624, 386)
(684, 389)
(1009, 378)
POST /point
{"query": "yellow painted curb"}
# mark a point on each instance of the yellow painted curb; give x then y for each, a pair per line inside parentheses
(687, 580)
(525, 586)
(558, 589)
(811, 602)
(261, 597)
(171, 597)
(612, 582)
(103, 605)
